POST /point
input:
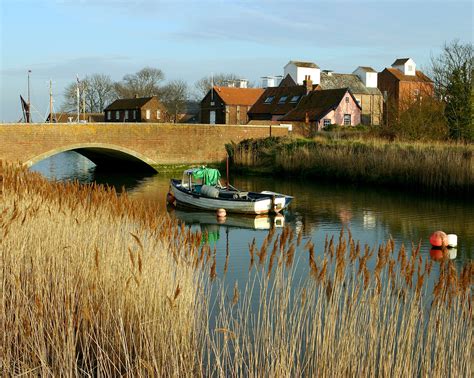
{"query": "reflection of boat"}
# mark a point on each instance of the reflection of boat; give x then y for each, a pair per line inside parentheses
(257, 222)
(208, 194)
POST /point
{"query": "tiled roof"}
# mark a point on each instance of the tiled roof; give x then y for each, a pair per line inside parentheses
(351, 81)
(400, 61)
(275, 107)
(367, 69)
(238, 96)
(420, 76)
(128, 103)
(303, 64)
(317, 104)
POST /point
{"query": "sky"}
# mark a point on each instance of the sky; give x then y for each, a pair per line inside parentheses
(59, 39)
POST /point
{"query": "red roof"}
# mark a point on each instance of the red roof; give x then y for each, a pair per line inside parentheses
(420, 76)
(238, 96)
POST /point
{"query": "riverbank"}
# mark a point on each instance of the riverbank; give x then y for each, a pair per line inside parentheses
(98, 284)
(432, 167)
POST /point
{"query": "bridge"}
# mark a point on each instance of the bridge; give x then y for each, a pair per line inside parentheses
(122, 146)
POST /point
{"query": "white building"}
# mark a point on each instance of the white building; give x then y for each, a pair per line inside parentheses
(368, 76)
(299, 70)
(405, 65)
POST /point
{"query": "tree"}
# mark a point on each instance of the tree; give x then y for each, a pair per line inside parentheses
(174, 96)
(452, 75)
(203, 85)
(144, 83)
(95, 92)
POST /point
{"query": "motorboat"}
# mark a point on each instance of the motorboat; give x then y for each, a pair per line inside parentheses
(200, 188)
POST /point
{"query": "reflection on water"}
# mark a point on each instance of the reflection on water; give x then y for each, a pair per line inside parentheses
(319, 209)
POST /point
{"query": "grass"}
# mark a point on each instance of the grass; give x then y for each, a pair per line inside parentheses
(98, 284)
(437, 167)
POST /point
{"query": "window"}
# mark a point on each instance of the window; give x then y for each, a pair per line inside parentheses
(134, 114)
(347, 119)
(294, 99)
(282, 99)
(126, 114)
(109, 115)
(347, 99)
(212, 117)
(158, 114)
(410, 68)
(358, 101)
(269, 99)
(148, 114)
(117, 114)
(326, 122)
(213, 103)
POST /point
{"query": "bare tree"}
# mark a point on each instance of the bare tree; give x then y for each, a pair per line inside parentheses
(174, 96)
(96, 92)
(451, 72)
(203, 85)
(144, 83)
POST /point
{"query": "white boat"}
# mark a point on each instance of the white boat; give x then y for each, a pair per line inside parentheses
(200, 189)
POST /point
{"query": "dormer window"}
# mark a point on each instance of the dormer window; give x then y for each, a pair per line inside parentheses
(269, 99)
(282, 99)
(294, 99)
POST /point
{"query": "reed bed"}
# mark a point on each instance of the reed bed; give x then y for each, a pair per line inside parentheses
(97, 284)
(438, 167)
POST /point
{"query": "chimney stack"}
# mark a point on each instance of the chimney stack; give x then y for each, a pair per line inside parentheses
(308, 83)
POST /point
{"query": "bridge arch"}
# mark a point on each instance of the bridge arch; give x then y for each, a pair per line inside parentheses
(107, 156)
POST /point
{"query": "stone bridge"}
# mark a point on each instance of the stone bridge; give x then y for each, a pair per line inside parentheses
(121, 146)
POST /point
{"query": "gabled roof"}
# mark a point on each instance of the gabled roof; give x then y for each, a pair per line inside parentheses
(287, 82)
(317, 104)
(128, 103)
(238, 96)
(274, 107)
(366, 69)
(400, 76)
(351, 81)
(303, 64)
(400, 61)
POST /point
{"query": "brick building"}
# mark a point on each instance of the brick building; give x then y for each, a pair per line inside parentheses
(228, 105)
(144, 109)
(402, 84)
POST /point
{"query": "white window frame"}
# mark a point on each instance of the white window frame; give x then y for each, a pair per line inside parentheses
(158, 114)
(109, 115)
(134, 114)
(212, 117)
(117, 115)
(126, 115)
(147, 113)
(345, 120)
(326, 122)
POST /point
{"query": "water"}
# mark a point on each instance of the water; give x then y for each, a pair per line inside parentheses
(320, 209)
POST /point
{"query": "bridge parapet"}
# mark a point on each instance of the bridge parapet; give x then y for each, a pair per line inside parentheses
(152, 143)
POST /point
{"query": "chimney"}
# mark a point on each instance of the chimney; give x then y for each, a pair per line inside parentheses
(308, 83)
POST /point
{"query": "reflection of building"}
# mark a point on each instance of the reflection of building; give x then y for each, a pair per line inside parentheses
(145, 109)
(369, 220)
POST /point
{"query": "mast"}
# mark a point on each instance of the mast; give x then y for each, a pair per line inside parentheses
(50, 101)
(28, 111)
(78, 94)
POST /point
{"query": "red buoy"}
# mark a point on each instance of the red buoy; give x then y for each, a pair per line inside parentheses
(439, 239)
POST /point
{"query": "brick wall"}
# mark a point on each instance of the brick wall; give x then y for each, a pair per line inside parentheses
(154, 143)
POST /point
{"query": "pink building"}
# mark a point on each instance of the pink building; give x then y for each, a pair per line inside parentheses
(322, 108)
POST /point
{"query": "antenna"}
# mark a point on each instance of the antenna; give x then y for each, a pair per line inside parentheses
(50, 101)
(78, 94)
(28, 111)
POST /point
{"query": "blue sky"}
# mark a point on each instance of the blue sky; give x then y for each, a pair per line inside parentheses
(58, 39)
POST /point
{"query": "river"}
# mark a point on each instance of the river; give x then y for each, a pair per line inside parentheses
(320, 209)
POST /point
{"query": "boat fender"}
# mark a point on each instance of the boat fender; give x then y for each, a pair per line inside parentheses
(452, 240)
(221, 213)
(170, 198)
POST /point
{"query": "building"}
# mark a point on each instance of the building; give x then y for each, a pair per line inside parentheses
(363, 85)
(228, 105)
(63, 117)
(402, 84)
(275, 102)
(322, 108)
(300, 70)
(144, 109)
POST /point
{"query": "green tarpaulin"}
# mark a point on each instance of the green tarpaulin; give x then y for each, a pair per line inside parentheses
(210, 176)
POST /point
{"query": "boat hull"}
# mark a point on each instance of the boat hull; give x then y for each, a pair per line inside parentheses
(264, 205)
